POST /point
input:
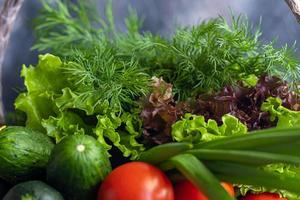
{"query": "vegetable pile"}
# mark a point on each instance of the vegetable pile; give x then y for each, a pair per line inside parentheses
(210, 113)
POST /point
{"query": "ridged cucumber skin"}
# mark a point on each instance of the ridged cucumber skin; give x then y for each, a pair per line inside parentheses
(33, 190)
(24, 153)
(77, 166)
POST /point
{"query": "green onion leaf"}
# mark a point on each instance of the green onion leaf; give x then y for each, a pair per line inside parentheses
(249, 175)
(244, 157)
(262, 138)
(163, 152)
(292, 149)
(199, 175)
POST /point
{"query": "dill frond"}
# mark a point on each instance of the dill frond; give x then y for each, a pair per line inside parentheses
(63, 25)
(198, 59)
(101, 74)
(208, 56)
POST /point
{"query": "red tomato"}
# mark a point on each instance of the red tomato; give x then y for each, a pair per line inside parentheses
(136, 181)
(186, 190)
(263, 196)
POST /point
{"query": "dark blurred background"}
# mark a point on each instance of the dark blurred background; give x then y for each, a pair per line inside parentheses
(161, 17)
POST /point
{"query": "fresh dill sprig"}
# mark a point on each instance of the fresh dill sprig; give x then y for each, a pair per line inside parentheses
(198, 59)
(97, 70)
(282, 63)
(208, 56)
(211, 55)
(99, 73)
(63, 25)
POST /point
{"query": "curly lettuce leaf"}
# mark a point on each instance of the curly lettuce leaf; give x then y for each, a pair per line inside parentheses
(250, 80)
(193, 128)
(280, 169)
(286, 118)
(133, 127)
(109, 127)
(49, 94)
(43, 83)
(37, 106)
(48, 75)
(232, 126)
(50, 101)
(89, 104)
(67, 123)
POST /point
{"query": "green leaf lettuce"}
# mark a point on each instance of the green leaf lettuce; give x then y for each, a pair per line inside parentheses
(193, 128)
(109, 127)
(43, 83)
(54, 105)
(286, 118)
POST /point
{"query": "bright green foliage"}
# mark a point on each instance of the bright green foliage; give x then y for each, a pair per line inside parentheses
(208, 56)
(193, 128)
(197, 59)
(88, 104)
(60, 105)
(43, 83)
(285, 117)
(95, 89)
(46, 76)
(250, 80)
(63, 25)
(126, 141)
(66, 123)
(99, 73)
(36, 106)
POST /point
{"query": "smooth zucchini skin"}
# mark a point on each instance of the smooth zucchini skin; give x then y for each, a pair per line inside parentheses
(77, 166)
(33, 190)
(24, 153)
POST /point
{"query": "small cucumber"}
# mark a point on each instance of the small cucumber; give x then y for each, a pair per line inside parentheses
(77, 166)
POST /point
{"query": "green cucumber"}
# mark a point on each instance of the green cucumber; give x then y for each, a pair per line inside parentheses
(77, 166)
(24, 153)
(32, 190)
